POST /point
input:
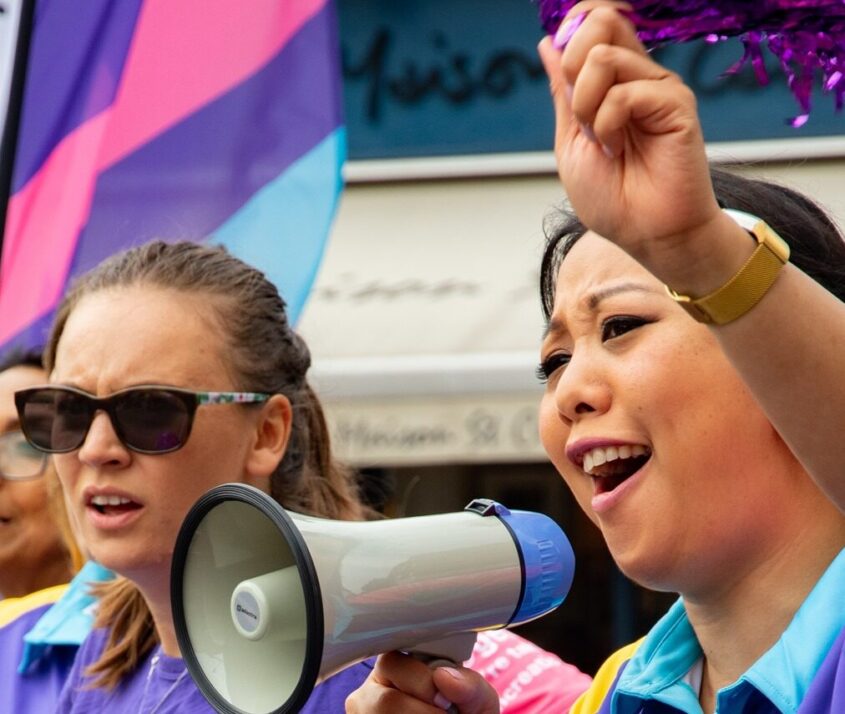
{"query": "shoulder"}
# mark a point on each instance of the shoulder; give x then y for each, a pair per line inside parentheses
(526, 677)
(166, 683)
(827, 690)
(92, 646)
(605, 681)
(17, 617)
(13, 609)
(88, 653)
(37, 688)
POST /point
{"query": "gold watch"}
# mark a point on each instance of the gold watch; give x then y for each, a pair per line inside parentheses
(745, 289)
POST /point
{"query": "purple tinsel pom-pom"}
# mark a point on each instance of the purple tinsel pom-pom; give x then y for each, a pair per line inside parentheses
(805, 35)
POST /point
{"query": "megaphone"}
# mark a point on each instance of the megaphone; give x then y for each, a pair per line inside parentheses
(267, 603)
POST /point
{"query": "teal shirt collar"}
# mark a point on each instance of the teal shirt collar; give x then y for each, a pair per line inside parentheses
(783, 674)
(69, 620)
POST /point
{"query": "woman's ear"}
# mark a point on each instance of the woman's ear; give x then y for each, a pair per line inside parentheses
(272, 433)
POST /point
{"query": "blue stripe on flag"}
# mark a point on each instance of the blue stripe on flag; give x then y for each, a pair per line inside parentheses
(283, 229)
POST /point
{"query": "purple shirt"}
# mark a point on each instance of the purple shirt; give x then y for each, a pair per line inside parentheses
(36, 690)
(162, 684)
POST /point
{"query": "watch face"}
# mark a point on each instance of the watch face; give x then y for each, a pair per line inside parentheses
(746, 220)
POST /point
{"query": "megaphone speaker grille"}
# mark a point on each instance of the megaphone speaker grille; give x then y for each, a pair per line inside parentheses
(246, 603)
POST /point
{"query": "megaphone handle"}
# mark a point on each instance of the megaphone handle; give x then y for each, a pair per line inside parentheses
(434, 664)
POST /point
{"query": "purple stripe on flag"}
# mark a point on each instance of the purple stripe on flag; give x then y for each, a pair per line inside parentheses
(75, 62)
(188, 181)
(32, 336)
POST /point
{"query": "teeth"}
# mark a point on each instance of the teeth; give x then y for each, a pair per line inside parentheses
(109, 501)
(602, 455)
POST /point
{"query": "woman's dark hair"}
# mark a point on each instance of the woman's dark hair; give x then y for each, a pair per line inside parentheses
(264, 355)
(816, 245)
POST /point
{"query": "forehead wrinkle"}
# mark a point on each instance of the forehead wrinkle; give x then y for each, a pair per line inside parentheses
(590, 303)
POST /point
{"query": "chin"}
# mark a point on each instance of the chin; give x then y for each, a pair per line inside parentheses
(647, 568)
(127, 563)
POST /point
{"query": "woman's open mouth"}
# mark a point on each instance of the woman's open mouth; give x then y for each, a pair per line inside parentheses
(113, 505)
(611, 466)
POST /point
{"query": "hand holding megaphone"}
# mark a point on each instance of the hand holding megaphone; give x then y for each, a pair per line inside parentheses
(398, 681)
(267, 603)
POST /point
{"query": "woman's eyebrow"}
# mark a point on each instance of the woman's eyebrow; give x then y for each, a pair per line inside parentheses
(594, 299)
(557, 327)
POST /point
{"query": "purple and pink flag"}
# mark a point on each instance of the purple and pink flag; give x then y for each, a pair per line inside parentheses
(172, 119)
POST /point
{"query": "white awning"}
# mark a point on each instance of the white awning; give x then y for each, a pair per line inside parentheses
(425, 324)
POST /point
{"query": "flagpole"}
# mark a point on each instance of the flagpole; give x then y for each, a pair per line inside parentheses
(17, 16)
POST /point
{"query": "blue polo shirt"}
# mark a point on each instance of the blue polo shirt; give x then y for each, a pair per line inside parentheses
(803, 672)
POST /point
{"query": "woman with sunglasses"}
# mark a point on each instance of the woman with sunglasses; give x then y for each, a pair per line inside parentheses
(173, 370)
(138, 436)
(697, 426)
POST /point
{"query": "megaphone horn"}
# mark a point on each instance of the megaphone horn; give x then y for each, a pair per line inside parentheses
(267, 603)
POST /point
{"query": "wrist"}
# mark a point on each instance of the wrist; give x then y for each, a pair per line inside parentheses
(706, 258)
(747, 285)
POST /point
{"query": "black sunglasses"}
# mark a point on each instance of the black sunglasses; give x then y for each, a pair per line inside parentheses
(147, 419)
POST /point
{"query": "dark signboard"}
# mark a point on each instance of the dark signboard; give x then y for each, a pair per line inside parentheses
(444, 77)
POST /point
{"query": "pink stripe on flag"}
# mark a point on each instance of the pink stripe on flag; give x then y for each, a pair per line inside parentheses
(42, 223)
(186, 53)
(183, 55)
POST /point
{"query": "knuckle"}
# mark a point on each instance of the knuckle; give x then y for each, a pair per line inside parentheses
(387, 700)
(602, 54)
(684, 94)
(607, 14)
(571, 67)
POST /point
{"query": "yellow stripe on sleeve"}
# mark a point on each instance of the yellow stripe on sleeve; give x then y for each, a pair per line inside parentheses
(591, 700)
(12, 608)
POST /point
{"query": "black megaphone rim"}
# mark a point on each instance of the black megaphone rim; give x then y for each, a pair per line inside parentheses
(308, 576)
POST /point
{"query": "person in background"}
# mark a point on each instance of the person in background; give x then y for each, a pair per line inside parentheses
(697, 426)
(32, 553)
(35, 561)
(172, 370)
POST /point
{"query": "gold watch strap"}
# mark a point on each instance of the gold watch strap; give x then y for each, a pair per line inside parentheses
(747, 287)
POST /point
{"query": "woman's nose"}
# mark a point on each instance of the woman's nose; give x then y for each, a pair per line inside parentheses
(582, 389)
(102, 445)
